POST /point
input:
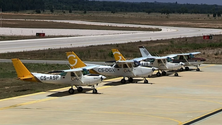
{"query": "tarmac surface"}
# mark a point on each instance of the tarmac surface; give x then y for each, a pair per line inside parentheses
(193, 97)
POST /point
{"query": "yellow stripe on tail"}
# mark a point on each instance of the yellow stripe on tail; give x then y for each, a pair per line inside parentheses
(74, 60)
(22, 72)
(118, 56)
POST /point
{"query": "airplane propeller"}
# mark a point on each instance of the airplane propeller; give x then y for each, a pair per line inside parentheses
(102, 77)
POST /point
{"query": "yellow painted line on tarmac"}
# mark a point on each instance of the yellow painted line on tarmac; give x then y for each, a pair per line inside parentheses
(39, 100)
(140, 114)
(22, 96)
(49, 91)
(28, 103)
(201, 117)
(210, 65)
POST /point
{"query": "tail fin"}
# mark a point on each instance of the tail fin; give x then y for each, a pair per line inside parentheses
(74, 60)
(144, 52)
(118, 56)
(22, 72)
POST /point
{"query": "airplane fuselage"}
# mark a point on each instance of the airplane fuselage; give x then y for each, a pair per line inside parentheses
(84, 80)
(191, 61)
(162, 66)
(124, 72)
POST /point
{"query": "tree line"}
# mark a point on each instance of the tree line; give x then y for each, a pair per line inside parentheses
(87, 5)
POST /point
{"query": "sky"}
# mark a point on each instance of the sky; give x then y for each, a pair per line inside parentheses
(218, 2)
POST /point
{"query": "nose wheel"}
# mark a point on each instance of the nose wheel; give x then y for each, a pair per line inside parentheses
(123, 81)
(94, 90)
(130, 79)
(176, 74)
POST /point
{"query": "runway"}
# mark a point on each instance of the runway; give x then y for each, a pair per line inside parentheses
(97, 39)
(168, 100)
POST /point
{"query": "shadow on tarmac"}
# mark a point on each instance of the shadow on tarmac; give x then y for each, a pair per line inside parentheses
(66, 93)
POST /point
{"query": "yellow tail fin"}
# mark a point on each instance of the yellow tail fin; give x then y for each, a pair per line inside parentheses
(22, 72)
(74, 60)
(118, 56)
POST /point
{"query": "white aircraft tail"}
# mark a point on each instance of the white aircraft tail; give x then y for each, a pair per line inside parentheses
(144, 52)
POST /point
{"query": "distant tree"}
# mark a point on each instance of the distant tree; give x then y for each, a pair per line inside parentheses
(218, 14)
(214, 15)
(38, 11)
(52, 10)
(70, 10)
(113, 11)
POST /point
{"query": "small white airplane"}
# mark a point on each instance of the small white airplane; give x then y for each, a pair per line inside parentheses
(75, 77)
(162, 63)
(189, 60)
(122, 68)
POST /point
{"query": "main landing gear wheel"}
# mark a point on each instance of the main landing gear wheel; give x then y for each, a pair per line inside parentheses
(163, 73)
(79, 89)
(123, 81)
(95, 91)
(187, 68)
(181, 69)
(146, 81)
(176, 74)
(198, 69)
(130, 79)
(71, 91)
(158, 74)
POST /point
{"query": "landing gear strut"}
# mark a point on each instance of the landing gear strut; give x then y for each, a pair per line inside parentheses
(145, 80)
(198, 69)
(94, 90)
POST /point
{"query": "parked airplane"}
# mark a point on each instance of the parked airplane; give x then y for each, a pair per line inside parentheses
(162, 63)
(121, 68)
(75, 77)
(189, 60)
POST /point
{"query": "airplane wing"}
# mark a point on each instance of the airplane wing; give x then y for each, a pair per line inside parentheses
(81, 69)
(184, 54)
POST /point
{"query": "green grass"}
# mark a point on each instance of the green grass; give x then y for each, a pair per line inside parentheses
(10, 86)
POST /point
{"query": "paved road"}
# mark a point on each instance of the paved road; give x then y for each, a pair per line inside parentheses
(166, 33)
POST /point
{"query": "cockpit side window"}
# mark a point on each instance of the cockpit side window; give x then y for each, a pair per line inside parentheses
(85, 72)
(124, 66)
(63, 73)
(73, 74)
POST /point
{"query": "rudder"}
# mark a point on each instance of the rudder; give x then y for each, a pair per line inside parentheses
(117, 55)
(74, 60)
(22, 72)
(144, 52)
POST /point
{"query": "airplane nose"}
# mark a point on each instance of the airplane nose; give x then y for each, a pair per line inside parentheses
(154, 68)
(181, 63)
(102, 77)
